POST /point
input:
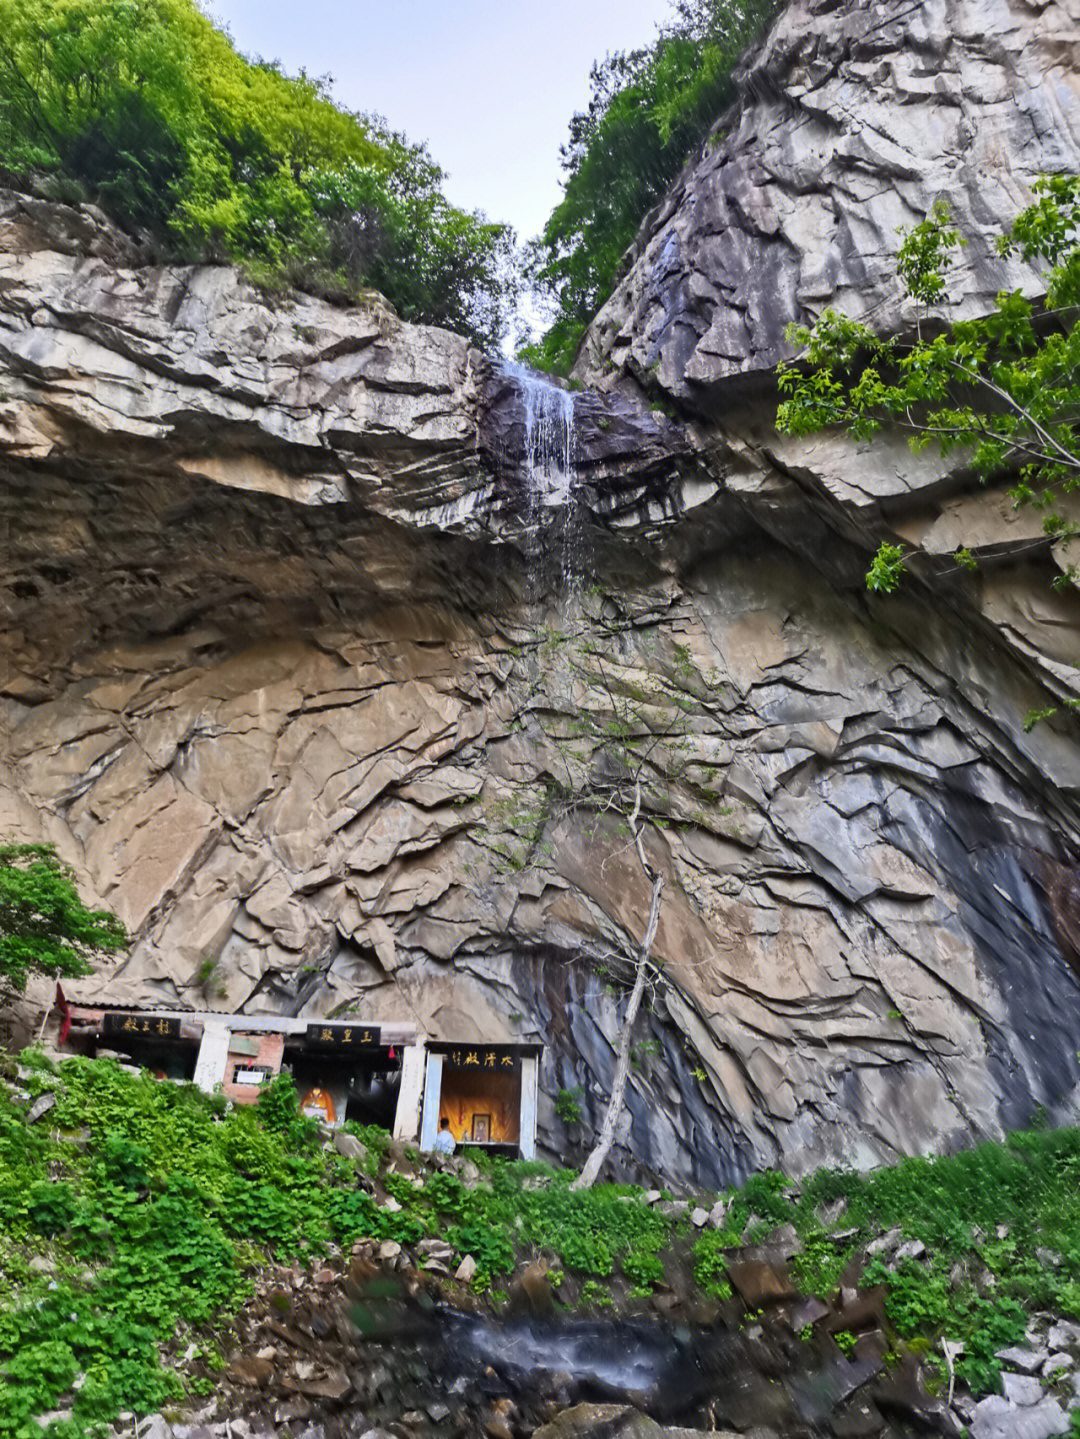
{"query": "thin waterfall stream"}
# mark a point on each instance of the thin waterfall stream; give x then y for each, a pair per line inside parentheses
(549, 454)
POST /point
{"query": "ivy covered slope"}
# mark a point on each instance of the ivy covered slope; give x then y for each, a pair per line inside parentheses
(148, 108)
(137, 1219)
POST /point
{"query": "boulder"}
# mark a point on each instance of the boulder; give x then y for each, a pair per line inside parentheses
(349, 1147)
(757, 1283)
(996, 1418)
(1028, 1361)
(40, 1107)
(1022, 1389)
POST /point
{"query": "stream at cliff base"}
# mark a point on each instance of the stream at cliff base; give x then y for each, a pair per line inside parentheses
(433, 1371)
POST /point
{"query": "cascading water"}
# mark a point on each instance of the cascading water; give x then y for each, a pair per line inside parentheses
(549, 437)
(549, 469)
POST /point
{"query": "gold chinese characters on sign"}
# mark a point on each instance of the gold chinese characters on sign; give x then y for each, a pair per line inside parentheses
(497, 1057)
(149, 1026)
(344, 1036)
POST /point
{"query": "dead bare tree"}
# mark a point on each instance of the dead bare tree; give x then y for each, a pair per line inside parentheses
(629, 744)
(591, 1169)
(619, 755)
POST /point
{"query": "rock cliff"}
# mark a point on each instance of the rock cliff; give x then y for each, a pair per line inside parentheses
(296, 673)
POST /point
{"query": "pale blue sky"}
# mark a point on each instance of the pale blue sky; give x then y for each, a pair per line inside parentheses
(491, 86)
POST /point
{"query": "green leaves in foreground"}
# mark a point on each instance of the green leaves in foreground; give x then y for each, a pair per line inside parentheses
(887, 569)
(1004, 388)
(148, 1227)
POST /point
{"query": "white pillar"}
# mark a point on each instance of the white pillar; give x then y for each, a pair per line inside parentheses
(213, 1054)
(429, 1126)
(529, 1078)
(407, 1116)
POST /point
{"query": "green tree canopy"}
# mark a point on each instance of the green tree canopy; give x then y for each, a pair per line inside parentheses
(649, 109)
(151, 109)
(44, 926)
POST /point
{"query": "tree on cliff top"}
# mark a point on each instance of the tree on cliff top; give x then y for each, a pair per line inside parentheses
(44, 926)
(649, 109)
(147, 107)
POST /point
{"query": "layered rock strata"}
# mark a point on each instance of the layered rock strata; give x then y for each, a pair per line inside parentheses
(287, 678)
(851, 121)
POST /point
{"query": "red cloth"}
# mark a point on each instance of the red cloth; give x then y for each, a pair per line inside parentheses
(65, 1013)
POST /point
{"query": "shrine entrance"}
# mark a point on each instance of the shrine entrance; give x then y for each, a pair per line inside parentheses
(160, 1044)
(487, 1092)
(345, 1071)
(371, 1073)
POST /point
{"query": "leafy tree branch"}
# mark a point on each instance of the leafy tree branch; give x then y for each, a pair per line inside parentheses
(1004, 388)
(44, 926)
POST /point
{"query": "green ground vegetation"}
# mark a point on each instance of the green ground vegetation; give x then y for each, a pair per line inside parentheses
(134, 1216)
(649, 109)
(147, 107)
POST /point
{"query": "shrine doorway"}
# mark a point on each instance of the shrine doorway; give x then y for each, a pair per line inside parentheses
(487, 1093)
(345, 1072)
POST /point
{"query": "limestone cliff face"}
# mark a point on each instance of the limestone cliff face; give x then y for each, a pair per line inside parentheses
(852, 119)
(292, 674)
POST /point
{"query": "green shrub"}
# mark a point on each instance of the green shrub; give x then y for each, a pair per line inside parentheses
(278, 1104)
(51, 1206)
(567, 1105)
(354, 1216)
(818, 1268)
(376, 1142)
(710, 1268)
(493, 1251)
(764, 1194)
(125, 1163)
(642, 1267)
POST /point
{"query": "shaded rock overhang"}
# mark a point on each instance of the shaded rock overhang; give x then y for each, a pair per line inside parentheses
(278, 670)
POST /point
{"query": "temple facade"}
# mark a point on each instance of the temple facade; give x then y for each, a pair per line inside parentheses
(385, 1074)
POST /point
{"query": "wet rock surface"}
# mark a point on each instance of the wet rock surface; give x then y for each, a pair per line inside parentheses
(379, 1349)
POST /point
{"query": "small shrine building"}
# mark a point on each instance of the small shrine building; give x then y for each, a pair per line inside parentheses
(379, 1073)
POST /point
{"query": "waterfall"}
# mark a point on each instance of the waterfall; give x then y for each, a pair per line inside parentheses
(549, 437)
(549, 471)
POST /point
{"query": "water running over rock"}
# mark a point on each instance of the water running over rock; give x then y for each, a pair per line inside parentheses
(550, 471)
(549, 437)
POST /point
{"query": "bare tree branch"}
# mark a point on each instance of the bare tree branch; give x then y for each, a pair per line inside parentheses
(592, 1166)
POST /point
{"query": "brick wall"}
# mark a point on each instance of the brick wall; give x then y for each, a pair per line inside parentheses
(268, 1050)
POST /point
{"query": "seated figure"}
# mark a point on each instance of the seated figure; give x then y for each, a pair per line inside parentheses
(444, 1140)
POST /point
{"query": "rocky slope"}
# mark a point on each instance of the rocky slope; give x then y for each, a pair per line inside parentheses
(292, 675)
